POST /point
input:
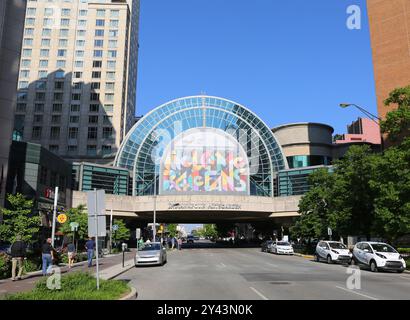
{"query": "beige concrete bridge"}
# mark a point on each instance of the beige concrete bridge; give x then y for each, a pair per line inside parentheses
(199, 208)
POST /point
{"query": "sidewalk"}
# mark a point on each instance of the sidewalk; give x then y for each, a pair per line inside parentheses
(110, 267)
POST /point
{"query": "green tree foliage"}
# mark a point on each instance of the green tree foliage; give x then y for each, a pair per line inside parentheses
(80, 216)
(172, 229)
(122, 233)
(208, 230)
(313, 207)
(19, 220)
(397, 122)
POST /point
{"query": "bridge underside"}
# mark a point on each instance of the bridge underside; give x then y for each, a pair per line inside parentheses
(199, 208)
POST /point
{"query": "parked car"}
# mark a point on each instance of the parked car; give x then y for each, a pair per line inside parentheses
(333, 252)
(151, 254)
(190, 239)
(282, 247)
(378, 256)
(266, 246)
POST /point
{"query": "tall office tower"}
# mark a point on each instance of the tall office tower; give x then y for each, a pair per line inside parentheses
(78, 76)
(389, 30)
(11, 31)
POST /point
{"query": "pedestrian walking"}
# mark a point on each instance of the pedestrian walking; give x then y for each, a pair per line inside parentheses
(89, 246)
(71, 254)
(172, 243)
(179, 244)
(18, 253)
(47, 255)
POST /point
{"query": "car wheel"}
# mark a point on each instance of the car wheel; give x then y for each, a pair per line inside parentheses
(329, 259)
(373, 266)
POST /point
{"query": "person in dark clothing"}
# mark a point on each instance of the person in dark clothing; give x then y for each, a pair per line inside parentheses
(47, 254)
(18, 253)
(89, 246)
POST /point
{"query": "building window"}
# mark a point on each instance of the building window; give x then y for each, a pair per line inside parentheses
(61, 53)
(107, 132)
(26, 52)
(78, 75)
(72, 132)
(46, 32)
(31, 11)
(109, 86)
(38, 118)
(65, 12)
(42, 74)
(48, 22)
(100, 13)
(40, 96)
(39, 107)
(111, 64)
(112, 43)
(98, 53)
(114, 13)
(59, 85)
(79, 53)
(58, 96)
(29, 31)
(26, 63)
(44, 53)
(43, 63)
(30, 21)
(106, 149)
(95, 85)
(60, 64)
(108, 108)
(92, 119)
(55, 133)
(97, 64)
(114, 23)
(53, 148)
(112, 53)
(23, 85)
(41, 85)
(75, 108)
(28, 42)
(21, 107)
(79, 64)
(111, 75)
(72, 149)
(109, 97)
(24, 73)
(74, 119)
(96, 74)
(94, 96)
(100, 23)
(107, 120)
(77, 85)
(80, 43)
(97, 43)
(62, 43)
(99, 33)
(94, 108)
(56, 119)
(65, 22)
(48, 12)
(22, 96)
(76, 96)
(59, 74)
(36, 134)
(91, 150)
(45, 42)
(82, 13)
(113, 33)
(82, 23)
(92, 133)
(81, 33)
(64, 33)
(57, 107)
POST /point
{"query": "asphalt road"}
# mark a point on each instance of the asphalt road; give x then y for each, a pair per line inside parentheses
(206, 273)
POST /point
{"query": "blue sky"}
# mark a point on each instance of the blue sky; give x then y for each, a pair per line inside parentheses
(288, 61)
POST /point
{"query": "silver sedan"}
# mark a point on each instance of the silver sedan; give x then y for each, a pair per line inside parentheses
(153, 253)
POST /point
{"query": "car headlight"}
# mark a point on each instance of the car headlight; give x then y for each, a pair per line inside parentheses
(334, 251)
(381, 256)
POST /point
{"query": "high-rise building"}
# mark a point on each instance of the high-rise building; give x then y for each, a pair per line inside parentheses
(11, 31)
(389, 31)
(77, 82)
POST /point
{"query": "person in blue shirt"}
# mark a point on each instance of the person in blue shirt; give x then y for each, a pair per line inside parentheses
(89, 246)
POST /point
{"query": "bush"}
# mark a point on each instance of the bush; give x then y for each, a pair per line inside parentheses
(75, 286)
(5, 266)
(403, 250)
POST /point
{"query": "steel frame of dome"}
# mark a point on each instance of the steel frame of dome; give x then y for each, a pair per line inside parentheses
(196, 112)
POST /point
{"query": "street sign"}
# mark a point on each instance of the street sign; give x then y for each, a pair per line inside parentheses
(138, 233)
(329, 231)
(62, 218)
(96, 206)
(115, 227)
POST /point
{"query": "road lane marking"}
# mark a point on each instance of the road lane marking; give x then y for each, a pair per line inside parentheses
(358, 293)
(258, 293)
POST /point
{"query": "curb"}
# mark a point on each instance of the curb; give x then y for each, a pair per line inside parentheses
(306, 256)
(132, 294)
(125, 269)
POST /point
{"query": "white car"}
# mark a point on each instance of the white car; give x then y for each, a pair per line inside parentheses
(282, 247)
(378, 256)
(333, 251)
(153, 253)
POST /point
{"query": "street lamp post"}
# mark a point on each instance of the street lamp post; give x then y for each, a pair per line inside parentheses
(154, 227)
(372, 117)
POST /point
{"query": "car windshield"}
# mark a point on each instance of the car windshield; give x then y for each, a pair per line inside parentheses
(337, 245)
(150, 247)
(382, 247)
(282, 243)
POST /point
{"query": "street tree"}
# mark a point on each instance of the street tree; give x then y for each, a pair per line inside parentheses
(122, 233)
(19, 220)
(80, 216)
(172, 230)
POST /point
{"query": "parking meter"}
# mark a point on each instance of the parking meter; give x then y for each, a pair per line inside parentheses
(124, 247)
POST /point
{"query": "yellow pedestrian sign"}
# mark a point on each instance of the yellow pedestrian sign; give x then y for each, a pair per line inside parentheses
(62, 218)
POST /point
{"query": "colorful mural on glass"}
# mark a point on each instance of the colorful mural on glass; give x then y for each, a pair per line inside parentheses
(205, 161)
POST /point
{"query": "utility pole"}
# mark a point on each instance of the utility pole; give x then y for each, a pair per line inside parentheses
(53, 229)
